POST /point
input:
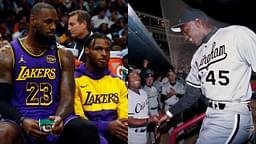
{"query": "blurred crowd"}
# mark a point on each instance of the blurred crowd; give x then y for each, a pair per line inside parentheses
(108, 17)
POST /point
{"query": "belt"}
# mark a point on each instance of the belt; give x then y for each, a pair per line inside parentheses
(154, 108)
(138, 130)
(221, 106)
(216, 105)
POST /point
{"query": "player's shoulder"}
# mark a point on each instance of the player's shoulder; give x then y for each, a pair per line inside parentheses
(143, 93)
(179, 84)
(66, 58)
(64, 53)
(65, 49)
(6, 50)
(6, 55)
(235, 29)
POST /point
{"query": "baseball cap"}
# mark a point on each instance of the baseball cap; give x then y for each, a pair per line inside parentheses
(189, 14)
(149, 73)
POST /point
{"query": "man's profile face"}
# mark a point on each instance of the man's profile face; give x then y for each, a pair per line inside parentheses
(75, 28)
(99, 53)
(45, 26)
(192, 32)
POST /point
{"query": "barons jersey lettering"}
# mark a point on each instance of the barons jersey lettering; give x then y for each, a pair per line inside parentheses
(221, 65)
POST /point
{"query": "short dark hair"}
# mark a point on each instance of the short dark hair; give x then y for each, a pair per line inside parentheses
(38, 6)
(91, 40)
(82, 16)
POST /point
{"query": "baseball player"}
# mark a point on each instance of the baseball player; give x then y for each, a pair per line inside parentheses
(153, 95)
(138, 114)
(153, 102)
(172, 90)
(220, 69)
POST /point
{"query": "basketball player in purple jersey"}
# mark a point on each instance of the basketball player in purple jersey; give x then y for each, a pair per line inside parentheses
(36, 82)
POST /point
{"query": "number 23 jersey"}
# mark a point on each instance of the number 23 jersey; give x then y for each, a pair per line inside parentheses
(222, 66)
(36, 81)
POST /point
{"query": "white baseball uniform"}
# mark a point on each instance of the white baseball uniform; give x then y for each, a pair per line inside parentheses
(179, 89)
(153, 99)
(222, 67)
(138, 108)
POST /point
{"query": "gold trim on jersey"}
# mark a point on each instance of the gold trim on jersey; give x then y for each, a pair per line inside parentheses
(26, 49)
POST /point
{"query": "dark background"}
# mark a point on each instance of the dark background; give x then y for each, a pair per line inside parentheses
(241, 12)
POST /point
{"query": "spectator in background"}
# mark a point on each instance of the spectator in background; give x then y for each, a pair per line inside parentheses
(79, 25)
(101, 96)
(20, 28)
(103, 29)
(6, 33)
(3, 41)
(120, 6)
(100, 18)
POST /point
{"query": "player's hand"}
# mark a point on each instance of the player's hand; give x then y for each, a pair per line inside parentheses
(163, 118)
(58, 125)
(171, 92)
(31, 127)
(125, 122)
(153, 119)
(119, 128)
(145, 63)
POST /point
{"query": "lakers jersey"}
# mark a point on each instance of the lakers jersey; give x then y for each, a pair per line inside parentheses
(36, 81)
(100, 97)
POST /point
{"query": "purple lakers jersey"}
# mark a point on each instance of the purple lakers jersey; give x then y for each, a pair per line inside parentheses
(36, 81)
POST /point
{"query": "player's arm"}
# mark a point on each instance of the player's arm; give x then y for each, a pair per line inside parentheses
(134, 122)
(6, 62)
(6, 109)
(122, 106)
(67, 84)
(119, 127)
(191, 96)
(78, 107)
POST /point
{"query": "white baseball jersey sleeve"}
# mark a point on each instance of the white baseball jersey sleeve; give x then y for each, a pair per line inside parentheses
(222, 66)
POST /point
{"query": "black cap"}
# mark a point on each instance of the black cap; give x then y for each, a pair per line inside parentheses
(189, 14)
